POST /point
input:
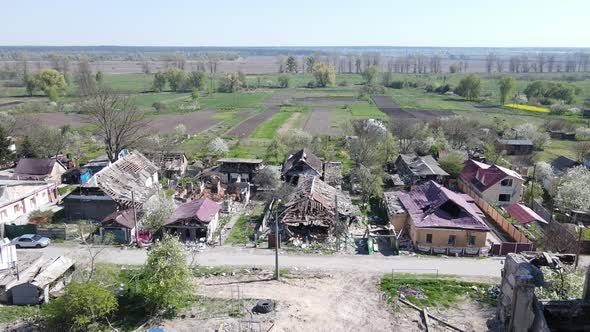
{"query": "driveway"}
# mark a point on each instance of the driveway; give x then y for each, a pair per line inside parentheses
(264, 258)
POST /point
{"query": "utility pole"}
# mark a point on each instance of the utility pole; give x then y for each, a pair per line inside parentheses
(277, 242)
(135, 218)
(533, 184)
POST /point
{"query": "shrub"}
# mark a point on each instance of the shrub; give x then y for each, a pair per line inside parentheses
(583, 134)
(82, 305)
(159, 106)
(284, 81)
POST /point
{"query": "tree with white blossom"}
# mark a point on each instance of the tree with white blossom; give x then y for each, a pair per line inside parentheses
(156, 210)
(574, 190)
(218, 147)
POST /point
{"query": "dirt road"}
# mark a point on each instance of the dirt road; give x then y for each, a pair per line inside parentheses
(250, 257)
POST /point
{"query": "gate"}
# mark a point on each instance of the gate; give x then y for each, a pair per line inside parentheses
(505, 248)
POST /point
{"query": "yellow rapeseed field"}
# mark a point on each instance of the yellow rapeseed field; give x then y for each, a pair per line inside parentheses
(529, 108)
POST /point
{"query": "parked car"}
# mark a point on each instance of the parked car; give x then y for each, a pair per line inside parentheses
(30, 241)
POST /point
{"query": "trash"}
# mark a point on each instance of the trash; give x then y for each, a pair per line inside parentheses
(406, 290)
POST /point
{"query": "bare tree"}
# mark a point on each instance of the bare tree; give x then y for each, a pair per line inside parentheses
(85, 80)
(120, 123)
(541, 60)
(490, 59)
(550, 63)
(499, 64)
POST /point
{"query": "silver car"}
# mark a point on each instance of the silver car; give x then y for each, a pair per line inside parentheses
(30, 241)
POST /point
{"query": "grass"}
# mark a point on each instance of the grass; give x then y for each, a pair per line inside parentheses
(557, 148)
(530, 108)
(233, 100)
(9, 314)
(242, 232)
(205, 271)
(439, 292)
(366, 110)
(269, 128)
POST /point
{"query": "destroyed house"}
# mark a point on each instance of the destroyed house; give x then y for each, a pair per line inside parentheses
(315, 208)
(301, 163)
(121, 225)
(333, 173)
(128, 182)
(414, 169)
(238, 169)
(43, 169)
(36, 283)
(194, 220)
(496, 184)
(171, 164)
(438, 219)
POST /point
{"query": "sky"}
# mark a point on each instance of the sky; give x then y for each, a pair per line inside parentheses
(450, 23)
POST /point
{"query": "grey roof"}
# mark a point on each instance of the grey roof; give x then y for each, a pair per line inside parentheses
(423, 165)
(35, 166)
(392, 203)
(515, 141)
(240, 160)
(130, 174)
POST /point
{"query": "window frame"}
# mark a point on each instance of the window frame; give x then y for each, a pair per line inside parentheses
(454, 239)
(429, 238)
(470, 238)
(507, 185)
(504, 201)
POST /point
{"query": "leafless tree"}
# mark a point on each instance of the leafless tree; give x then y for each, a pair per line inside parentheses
(550, 63)
(85, 79)
(490, 60)
(120, 123)
(499, 64)
(435, 64)
(541, 60)
(145, 68)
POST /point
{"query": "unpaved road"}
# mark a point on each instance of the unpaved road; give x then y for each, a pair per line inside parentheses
(250, 257)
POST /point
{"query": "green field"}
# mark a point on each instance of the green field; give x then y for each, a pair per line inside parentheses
(268, 129)
(233, 100)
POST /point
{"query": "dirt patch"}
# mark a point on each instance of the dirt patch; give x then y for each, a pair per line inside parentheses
(308, 301)
(384, 102)
(57, 119)
(340, 302)
(247, 127)
(319, 122)
(195, 122)
(398, 113)
(335, 99)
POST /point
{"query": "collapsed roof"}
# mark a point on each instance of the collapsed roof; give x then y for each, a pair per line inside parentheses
(132, 175)
(170, 161)
(431, 205)
(314, 203)
(422, 165)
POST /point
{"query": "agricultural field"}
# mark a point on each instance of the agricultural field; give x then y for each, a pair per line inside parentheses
(250, 119)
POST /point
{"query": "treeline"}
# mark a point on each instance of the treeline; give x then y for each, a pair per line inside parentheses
(540, 63)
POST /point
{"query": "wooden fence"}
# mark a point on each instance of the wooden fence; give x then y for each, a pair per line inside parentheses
(505, 225)
(504, 248)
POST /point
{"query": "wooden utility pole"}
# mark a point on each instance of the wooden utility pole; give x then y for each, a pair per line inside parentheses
(135, 218)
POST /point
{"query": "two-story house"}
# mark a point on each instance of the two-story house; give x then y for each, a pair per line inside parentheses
(496, 184)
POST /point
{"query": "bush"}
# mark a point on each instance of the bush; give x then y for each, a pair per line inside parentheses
(284, 81)
(582, 134)
(159, 106)
(166, 278)
(82, 305)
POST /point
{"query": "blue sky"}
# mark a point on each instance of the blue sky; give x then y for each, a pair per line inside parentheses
(486, 23)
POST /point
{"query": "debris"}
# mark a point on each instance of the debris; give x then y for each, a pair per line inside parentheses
(431, 315)
(405, 290)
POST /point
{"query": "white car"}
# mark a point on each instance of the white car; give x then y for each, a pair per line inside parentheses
(30, 241)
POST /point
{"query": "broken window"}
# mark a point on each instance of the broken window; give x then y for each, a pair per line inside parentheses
(504, 198)
(428, 238)
(452, 239)
(506, 183)
(471, 240)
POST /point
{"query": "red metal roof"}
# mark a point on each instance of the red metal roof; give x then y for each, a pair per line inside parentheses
(202, 209)
(523, 214)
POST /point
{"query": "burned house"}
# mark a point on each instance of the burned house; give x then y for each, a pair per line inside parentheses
(437, 219)
(515, 147)
(194, 220)
(414, 170)
(238, 169)
(305, 163)
(128, 182)
(171, 164)
(316, 210)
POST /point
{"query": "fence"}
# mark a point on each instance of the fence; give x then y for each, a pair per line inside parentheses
(541, 211)
(504, 248)
(505, 225)
(52, 233)
(12, 231)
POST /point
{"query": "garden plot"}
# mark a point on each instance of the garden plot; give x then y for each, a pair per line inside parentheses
(58, 119)
(247, 127)
(335, 99)
(194, 122)
(320, 122)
